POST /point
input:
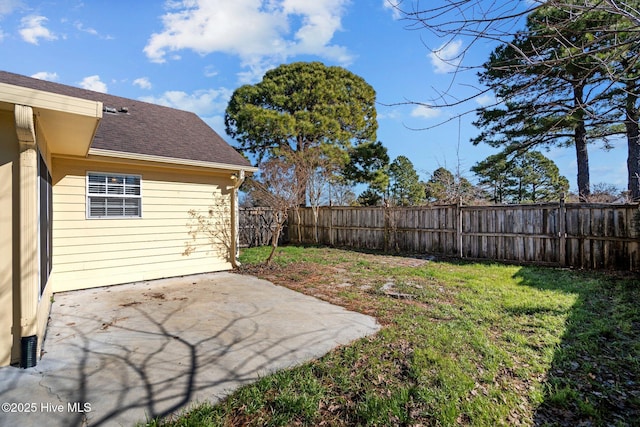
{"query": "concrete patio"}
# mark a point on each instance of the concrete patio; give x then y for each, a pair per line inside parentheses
(123, 354)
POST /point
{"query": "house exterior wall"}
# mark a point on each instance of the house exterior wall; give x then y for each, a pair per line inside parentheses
(8, 163)
(11, 259)
(24, 300)
(99, 252)
(92, 252)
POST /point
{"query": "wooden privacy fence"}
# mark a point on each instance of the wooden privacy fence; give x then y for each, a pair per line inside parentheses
(593, 236)
(256, 227)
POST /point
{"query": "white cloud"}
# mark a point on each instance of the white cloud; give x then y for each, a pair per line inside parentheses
(424, 112)
(32, 29)
(8, 6)
(389, 113)
(142, 83)
(486, 99)
(393, 6)
(321, 19)
(89, 30)
(93, 83)
(446, 58)
(210, 71)
(45, 75)
(257, 31)
(206, 102)
(80, 27)
(254, 72)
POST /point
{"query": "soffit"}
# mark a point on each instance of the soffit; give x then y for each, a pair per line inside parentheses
(68, 124)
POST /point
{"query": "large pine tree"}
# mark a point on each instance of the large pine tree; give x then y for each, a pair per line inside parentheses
(529, 178)
(306, 108)
(405, 187)
(554, 87)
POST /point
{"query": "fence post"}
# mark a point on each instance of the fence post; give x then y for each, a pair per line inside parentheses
(459, 226)
(385, 236)
(331, 239)
(562, 233)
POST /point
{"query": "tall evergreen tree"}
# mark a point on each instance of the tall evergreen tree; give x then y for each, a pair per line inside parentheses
(445, 187)
(607, 46)
(300, 106)
(529, 178)
(548, 79)
(493, 173)
(369, 197)
(405, 188)
(368, 164)
(625, 91)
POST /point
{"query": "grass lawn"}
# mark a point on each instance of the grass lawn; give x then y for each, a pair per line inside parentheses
(462, 343)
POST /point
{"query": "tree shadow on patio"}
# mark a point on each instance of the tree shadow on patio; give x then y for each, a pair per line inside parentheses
(153, 355)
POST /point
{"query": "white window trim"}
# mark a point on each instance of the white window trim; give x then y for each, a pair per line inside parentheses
(119, 196)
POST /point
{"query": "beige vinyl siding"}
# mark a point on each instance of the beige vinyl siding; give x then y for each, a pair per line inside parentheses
(8, 161)
(99, 252)
(11, 269)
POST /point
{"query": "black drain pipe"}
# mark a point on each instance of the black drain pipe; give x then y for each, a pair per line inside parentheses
(28, 351)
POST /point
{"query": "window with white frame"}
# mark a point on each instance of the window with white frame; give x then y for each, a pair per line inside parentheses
(113, 196)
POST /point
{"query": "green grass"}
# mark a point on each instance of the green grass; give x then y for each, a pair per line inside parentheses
(467, 344)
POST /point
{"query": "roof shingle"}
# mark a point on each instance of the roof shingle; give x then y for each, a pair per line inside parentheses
(144, 128)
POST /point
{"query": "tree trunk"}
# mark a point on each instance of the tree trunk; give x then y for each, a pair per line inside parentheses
(519, 189)
(274, 244)
(280, 218)
(633, 143)
(315, 223)
(301, 171)
(582, 157)
(580, 139)
(533, 193)
(302, 177)
(633, 161)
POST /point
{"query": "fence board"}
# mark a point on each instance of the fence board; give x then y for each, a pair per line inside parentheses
(256, 226)
(595, 236)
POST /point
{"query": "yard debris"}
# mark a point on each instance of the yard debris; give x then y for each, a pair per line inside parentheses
(388, 290)
(387, 287)
(398, 295)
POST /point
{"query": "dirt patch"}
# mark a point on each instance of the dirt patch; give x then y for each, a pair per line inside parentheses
(340, 285)
(403, 261)
(154, 295)
(323, 282)
(130, 304)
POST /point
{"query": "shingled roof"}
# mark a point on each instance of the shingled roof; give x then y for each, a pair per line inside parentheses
(138, 127)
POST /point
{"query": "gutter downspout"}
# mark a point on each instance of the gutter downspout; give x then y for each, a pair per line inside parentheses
(235, 224)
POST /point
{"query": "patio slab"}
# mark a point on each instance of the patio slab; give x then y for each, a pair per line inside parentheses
(123, 354)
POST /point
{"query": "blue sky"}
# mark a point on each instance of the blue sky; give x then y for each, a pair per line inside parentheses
(192, 54)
